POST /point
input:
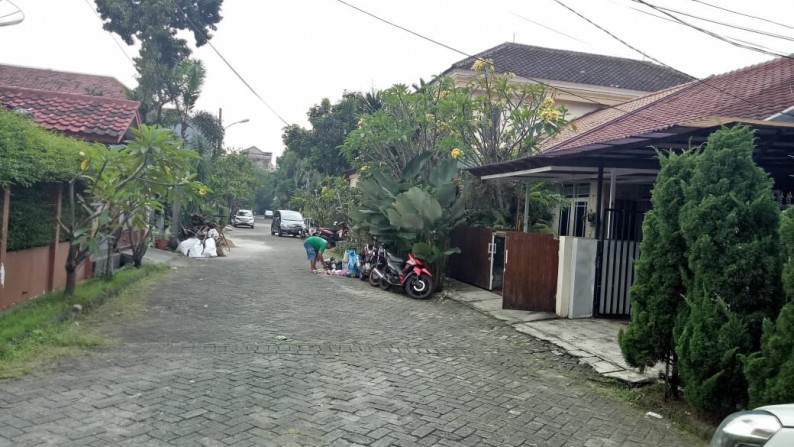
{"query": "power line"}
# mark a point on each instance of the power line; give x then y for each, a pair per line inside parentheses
(15, 21)
(236, 73)
(710, 33)
(633, 112)
(736, 39)
(744, 14)
(88, 3)
(717, 22)
(707, 84)
(547, 28)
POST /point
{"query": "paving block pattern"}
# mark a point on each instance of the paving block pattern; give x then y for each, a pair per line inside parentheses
(253, 350)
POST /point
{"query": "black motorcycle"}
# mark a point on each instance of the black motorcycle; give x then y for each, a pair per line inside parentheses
(409, 274)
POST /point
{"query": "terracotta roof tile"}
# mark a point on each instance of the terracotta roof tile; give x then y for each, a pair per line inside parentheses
(755, 92)
(583, 68)
(92, 118)
(61, 81)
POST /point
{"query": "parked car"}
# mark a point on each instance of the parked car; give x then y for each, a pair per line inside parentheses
(771, 426)
(243, 217)
(268, 213)
(287, 222)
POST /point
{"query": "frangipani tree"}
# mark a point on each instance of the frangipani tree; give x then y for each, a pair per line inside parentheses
(118, 184)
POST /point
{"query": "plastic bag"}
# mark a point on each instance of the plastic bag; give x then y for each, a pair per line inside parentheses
(352, 262)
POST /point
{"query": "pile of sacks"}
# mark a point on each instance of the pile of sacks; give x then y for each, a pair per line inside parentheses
(197, 248)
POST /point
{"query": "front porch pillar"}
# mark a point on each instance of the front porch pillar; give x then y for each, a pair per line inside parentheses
(526, 208)
(599, 202)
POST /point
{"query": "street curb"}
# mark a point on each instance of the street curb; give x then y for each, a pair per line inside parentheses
(488, 303)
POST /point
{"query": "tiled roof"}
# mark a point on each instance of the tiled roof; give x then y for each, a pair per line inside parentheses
(92, 118)
(583, 68)
(61, 81)
(755, 92)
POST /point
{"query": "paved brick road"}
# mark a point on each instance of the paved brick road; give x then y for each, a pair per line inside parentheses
(359, 367)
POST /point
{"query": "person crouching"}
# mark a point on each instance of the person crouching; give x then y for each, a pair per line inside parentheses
(315, 247)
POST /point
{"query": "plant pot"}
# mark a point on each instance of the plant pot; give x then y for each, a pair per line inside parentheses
(161, 244)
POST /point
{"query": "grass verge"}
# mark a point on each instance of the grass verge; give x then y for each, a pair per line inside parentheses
(47, 327)
(650, 398)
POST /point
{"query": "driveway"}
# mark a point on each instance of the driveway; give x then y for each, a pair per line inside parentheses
(253, 350)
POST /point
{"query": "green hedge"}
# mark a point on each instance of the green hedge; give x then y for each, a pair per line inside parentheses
(31, 217)
(29, 154)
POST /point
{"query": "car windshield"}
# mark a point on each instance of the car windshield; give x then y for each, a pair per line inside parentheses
(291, 215)
(244, 213)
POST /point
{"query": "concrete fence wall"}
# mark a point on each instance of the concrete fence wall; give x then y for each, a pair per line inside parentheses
(576, 277)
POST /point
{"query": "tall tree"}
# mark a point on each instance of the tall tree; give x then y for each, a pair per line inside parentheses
(155, 24)
(730, 224)
(661, 273)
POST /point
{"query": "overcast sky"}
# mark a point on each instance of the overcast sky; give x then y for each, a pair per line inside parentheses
(296, 52)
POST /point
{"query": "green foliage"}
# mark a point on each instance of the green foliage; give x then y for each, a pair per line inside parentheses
(33, 326)
(30, 154)
(415, 212)
(31, 220)
(657, 295)
(232, 180)
(427, 118)
(730, 225)
(770, 372)
(709, 350)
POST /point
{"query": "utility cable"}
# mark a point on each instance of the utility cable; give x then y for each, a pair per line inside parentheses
(717, 22)
(576, 95)
(744, 14)
(88, 3)
(548, 28)
(236, 73)
(710, 33)
(736, 39)
(15, 21)
(707, 84)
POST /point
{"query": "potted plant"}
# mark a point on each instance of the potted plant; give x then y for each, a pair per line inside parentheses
(160, 239)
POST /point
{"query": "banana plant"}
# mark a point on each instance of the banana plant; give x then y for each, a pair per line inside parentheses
(415, 212)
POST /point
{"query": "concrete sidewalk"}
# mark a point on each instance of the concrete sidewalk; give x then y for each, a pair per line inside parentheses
(594, 341)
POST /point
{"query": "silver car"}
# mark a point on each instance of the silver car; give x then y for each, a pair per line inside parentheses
(771, 426)
(243, 217)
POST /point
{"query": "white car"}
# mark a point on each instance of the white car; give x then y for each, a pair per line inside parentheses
(243, 217)
(268, 213)
(771, 426)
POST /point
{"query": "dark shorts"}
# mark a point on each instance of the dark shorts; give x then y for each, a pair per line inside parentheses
(311, 253)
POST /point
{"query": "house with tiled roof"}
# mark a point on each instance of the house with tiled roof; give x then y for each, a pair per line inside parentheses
(583, 82)
(90, 107)
(606, 162)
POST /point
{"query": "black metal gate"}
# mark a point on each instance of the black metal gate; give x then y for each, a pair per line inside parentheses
(618, 248)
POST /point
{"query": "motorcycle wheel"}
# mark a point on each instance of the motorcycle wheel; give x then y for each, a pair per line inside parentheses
(383, 284)
(374, 279)
(419, 287)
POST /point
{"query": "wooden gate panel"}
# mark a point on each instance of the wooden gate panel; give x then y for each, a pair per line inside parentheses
(473, 264)
(530, 281)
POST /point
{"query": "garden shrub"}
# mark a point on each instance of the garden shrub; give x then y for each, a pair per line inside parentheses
(730, 224)
(31, 217)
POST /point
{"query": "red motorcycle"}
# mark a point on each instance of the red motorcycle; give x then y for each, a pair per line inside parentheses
(411, 274)
(330, 234)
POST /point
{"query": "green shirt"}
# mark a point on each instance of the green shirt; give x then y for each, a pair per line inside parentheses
(317, 243)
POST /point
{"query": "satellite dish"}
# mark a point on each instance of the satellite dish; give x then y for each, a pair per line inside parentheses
(12, 18)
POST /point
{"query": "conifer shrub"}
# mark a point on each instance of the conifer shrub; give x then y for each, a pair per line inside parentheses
(657, 295)
(730, 224)
(770, 372)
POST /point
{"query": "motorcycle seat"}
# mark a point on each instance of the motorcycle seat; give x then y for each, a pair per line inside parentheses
(394, 259)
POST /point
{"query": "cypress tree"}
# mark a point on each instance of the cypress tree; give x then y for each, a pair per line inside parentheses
(730, 224)
(660, 273)
(770, 372)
